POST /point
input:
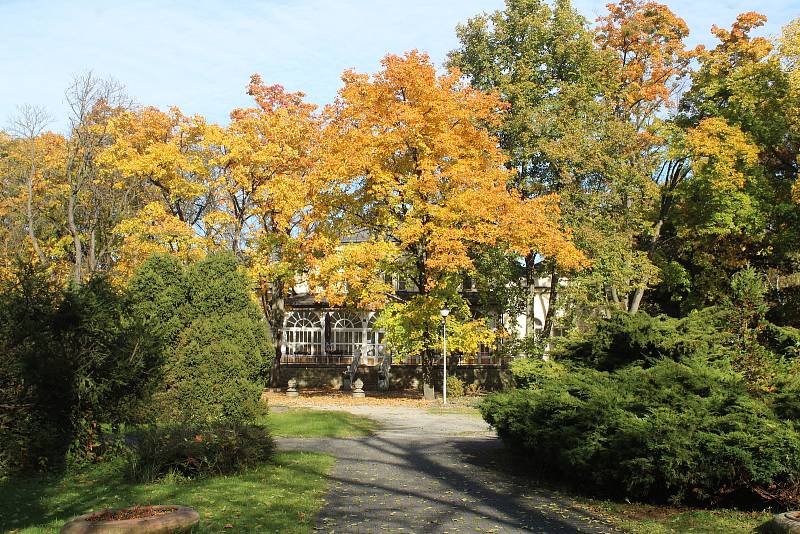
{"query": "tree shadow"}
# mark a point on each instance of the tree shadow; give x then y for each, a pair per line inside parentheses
(279, 497)
(429, 486)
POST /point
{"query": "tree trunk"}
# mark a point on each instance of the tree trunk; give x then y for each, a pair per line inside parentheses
(76, 237)
(31, 232)
(274, 307)
(551, 305)
(639, 293)
(428, 379)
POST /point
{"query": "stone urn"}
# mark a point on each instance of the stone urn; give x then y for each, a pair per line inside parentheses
(135, 520)
(358, 388)
(785, 523)
(291, 390)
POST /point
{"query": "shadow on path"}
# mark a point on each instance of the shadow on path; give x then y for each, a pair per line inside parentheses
(412, 479)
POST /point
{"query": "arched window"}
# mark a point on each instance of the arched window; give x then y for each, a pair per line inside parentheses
(347, 333)
(303, 335)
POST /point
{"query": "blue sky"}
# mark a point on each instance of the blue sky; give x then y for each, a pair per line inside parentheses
(199, 54)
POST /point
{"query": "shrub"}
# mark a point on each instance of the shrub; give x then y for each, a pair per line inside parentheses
(219, 367)
(212, 338)
(625, 339)
(528, 372)
(71, 363)
(685, 432)
(455, 387)
(198, 450)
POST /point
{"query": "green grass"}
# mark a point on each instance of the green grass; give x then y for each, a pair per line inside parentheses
(649, 519)
(305, 423)
(282, 496)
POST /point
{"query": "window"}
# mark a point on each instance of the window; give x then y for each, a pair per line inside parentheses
(303, 334)
(347, 331)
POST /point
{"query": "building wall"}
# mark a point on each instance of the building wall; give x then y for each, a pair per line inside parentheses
(405, 377)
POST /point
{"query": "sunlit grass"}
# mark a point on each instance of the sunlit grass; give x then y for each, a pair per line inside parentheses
(305, 423)
(282, 496)
(651, 519)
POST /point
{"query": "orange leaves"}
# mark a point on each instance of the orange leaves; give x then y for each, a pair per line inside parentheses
(408, 157)
(164, 148)
(736, 46)
(154, 231)
(648, 39)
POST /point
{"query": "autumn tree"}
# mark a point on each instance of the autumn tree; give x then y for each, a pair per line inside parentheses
(29, 125)
(93, 205)
(166, 155)
(411, 171)
(743, 147)
(563, 133)
(265, 186)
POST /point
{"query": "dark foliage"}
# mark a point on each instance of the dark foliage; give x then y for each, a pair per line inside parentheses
(71, 364)
(198, 450)
(215, 346)
(663, 409)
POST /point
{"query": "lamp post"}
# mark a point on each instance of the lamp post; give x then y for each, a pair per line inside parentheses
(444, 312)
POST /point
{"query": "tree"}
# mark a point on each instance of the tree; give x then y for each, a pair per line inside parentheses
(563, 133)
(29, 124)
(742, 149)
(167, 156)
(648, 40)
(265, 190)
(410, 170)
(93, 103)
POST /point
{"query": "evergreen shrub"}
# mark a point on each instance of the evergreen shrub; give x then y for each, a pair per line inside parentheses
(660, 409)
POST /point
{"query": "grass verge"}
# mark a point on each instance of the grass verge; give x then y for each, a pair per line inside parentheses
(650, 519)
(281, 496)
(306, 423)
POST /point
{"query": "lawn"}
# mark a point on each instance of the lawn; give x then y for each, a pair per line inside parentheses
(306, 423)
(649, 519)
(283, 496)
(454, 409)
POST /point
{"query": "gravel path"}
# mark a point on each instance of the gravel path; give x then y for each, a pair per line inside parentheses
(429, 473)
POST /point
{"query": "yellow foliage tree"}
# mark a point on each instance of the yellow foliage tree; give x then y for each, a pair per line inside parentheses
(412, 172)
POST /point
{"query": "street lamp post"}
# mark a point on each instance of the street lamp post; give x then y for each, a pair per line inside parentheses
(444, 312)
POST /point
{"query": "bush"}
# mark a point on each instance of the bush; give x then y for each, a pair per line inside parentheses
(679, 432)
(219, 368)
(529, 372)
(455, 387)
(198, 450)
(212, 338)
(71, 364)
(625, 339)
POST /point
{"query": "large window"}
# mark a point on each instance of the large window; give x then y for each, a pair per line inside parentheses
(303, 336)
(346, 334)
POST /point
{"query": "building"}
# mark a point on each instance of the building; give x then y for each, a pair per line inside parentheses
(323, 345)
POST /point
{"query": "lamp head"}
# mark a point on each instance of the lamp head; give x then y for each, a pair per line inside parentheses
(444, 312)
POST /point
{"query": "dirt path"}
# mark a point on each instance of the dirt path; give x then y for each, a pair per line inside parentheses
(428, 473)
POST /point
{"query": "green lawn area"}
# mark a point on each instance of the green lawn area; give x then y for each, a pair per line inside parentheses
(306, 423)
(283, 496)
(648, 519)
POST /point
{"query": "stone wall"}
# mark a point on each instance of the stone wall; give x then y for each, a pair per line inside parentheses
(488, 377)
